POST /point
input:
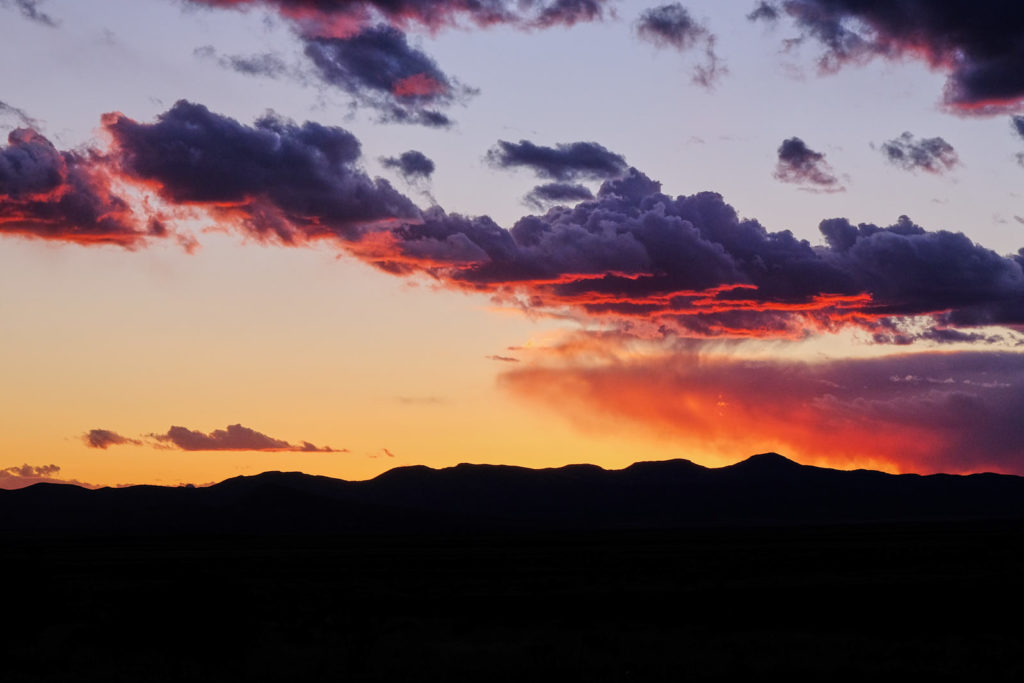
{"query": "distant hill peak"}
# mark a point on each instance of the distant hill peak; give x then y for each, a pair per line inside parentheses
(768, 460)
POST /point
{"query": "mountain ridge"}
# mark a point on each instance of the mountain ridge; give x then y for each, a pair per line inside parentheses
(764, 489)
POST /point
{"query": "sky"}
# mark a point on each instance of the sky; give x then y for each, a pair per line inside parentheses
(341, 236)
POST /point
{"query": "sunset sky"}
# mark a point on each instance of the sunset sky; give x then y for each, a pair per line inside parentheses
(340, 236)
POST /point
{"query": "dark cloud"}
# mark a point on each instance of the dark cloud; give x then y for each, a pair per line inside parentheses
(979, 43)
(7, 110)
(267, 65)
(649, 263)
(104, 438)
(30, 10)
(1017, 122)
(379, 68)
(564, 161)
(557, 193)
(764, 11)
(412, 165)
(688, 265)
(27, 475)
(341, 17)
(921, 412)
(502, 359)
(672, 26)
(66, 196)
(278, 178)
(234, 438)
(933, 155)
(801, 165)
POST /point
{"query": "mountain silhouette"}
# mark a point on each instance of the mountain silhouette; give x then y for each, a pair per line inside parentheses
(765, 489)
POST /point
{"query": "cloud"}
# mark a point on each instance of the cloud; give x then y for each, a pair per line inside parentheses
(922, 412)
(933, 155)
(30, 10)
(801, 165)
(980, 45)
(267, 64)
(27, 475)
(503, 359)
(632, 257)
(104, 438)
(654, 264)
(67, 196)
(764, 11)
(412, 165)
(1017, 123)
(563, 162)
(672, 26)
(274, 179)
(7, 110)
(557, 193)
(379, 68)
(343, 18)
(233, 438)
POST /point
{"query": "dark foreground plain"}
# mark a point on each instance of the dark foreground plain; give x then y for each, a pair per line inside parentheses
(855, 600)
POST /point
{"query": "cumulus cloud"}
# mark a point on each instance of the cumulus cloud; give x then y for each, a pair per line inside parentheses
(49, 194)
(557, 193)
(801, 165)
(379, 68)
(649, 263)
(563, 162)
(412, 165)
(933, 155)
(689, 265)
(27, 475)
(673, 26)
(275, 178)
(233, 438)
(104, 438)
(923, 412)
(979, 44)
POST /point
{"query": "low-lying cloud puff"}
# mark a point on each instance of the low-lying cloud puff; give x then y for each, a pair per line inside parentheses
(801, 165)
(412, 165)
(233, 438)
(563, 162)
(105, 438)
(26, 475)
(933, 155)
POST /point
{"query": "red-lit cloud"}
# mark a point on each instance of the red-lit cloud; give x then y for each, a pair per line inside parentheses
(645, 262)
(64, 196)
(923, 412)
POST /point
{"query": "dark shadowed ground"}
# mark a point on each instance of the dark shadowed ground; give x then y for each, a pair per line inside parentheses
(939, 600)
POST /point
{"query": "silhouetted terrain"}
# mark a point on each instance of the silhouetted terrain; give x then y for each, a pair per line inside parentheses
(764, 489)
(659, 572)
